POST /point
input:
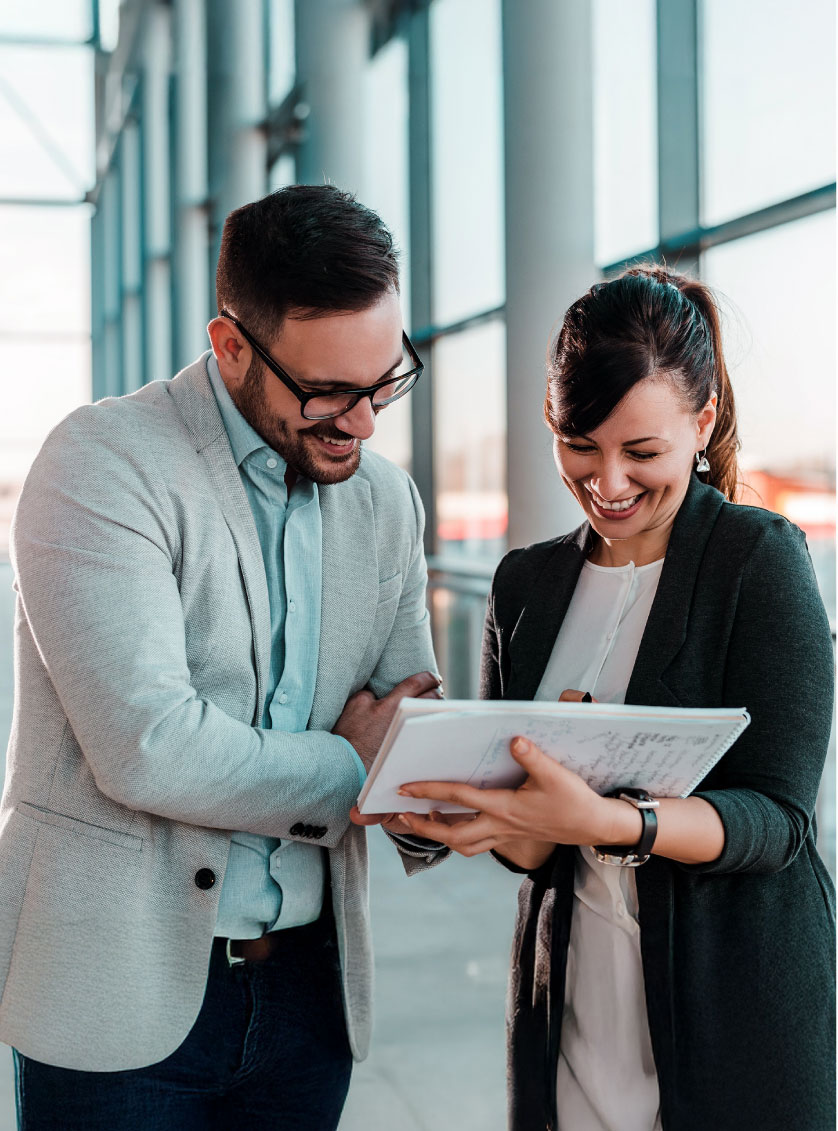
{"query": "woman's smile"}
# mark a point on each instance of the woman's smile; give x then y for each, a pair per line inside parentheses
(617, 509)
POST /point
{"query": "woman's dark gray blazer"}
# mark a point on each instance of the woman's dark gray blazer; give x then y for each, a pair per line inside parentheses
(738, 955)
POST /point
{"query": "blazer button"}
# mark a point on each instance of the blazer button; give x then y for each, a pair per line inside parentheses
(296, 830)
(204, 878)
(319, 830)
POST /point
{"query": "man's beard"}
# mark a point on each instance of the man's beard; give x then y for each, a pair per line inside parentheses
(251, 401)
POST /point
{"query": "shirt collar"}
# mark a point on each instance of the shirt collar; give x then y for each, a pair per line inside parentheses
(244, 439)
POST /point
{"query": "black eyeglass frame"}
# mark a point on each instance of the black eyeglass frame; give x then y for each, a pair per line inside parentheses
(356, 394)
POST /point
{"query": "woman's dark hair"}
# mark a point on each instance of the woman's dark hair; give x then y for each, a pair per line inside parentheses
(649, 322)
(306, 250)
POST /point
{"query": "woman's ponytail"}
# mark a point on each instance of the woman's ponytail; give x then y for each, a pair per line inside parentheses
(724, 443)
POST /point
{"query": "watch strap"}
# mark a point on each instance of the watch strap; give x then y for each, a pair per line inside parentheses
(631, 855)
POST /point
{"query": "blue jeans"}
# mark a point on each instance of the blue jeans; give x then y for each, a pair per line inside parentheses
(268, 1050)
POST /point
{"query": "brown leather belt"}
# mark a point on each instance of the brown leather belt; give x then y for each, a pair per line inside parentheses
(253, 950)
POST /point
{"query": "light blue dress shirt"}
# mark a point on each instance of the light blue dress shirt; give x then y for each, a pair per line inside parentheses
(270, 884)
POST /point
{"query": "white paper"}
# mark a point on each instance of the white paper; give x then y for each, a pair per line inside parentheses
(666, 751)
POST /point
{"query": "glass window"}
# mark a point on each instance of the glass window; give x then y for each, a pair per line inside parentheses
(48, 19)
(46, 122)
(467, 158)
(625, 129)
(47, 292)
(281, 58)
(385, 189)
(779, 325)
(283, 172)
(469, 383)
(50, 380)
(109, 24)
(768, 102)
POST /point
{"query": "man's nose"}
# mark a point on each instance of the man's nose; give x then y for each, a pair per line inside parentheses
(358, 421)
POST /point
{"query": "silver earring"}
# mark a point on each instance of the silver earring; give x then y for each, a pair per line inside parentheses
(701, 461)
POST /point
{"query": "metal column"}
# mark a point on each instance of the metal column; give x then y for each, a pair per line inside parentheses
(156, 68)
(132, 258)
(678, 138)
(191, 237)
(421, 286)
(548, 127)
(332, 44)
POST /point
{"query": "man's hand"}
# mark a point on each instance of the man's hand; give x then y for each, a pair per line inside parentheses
(364, 720)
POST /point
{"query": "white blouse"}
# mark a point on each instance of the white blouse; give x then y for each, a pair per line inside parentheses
(606, 1076)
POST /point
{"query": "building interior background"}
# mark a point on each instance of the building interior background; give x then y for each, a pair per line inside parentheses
(519, 150)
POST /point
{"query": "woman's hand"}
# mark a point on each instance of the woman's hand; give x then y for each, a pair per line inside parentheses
(553, 806)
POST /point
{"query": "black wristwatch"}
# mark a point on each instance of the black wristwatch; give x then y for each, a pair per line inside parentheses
(632, 855)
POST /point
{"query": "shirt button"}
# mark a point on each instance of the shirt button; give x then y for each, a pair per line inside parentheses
(292, 607)
(621, 908)
(283, 697)
(271, 462)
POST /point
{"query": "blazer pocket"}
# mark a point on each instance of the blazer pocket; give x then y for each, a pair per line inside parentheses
(389, 588)
(82, 828)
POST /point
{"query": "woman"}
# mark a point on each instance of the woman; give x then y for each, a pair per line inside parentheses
(693, 992)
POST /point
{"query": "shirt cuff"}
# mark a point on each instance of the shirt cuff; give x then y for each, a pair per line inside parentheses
(359, 765)
(421, 842)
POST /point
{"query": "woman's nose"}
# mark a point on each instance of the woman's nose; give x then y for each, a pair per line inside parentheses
(611, 480)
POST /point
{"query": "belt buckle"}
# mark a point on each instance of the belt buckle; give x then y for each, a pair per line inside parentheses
(233, 959)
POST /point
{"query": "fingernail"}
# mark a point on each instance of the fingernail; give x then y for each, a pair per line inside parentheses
(520, 745)
(403, 791)
(433, 815)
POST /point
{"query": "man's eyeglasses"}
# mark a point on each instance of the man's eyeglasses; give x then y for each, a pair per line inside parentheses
(325, 404)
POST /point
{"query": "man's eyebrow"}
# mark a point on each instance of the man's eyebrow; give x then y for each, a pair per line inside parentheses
(339, 385)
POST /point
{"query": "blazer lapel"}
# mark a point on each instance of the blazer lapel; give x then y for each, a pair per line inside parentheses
(534, 634)
(192, 393)
(350, 589)
(666, 628)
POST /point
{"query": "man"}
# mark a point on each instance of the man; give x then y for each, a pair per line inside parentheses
(215, 582)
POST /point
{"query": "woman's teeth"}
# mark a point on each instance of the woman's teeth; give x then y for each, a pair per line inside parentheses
(621, 505)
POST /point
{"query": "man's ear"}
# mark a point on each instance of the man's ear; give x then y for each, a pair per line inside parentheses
(231, 350)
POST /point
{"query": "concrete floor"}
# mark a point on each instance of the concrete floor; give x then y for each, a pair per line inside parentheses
(442, 940)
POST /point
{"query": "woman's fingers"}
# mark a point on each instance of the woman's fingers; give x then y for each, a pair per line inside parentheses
(464, 837)
(571, 695)
(457, 792)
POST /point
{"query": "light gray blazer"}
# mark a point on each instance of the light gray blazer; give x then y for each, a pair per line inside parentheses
(142, 653)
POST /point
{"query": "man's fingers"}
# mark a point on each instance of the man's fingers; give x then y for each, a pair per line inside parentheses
(359, 818)
(571, 695)
(415, 686)
(362, 696)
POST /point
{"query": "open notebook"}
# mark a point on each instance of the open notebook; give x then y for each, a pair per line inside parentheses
(665, 750)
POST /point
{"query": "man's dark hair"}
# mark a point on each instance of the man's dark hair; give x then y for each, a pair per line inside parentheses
(303, 250)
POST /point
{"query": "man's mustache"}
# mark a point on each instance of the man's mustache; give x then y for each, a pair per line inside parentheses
(328, 432)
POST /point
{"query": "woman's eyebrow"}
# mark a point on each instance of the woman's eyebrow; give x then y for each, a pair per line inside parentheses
(640, 440)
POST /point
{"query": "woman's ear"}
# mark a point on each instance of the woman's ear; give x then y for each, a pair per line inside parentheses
(705, 422)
